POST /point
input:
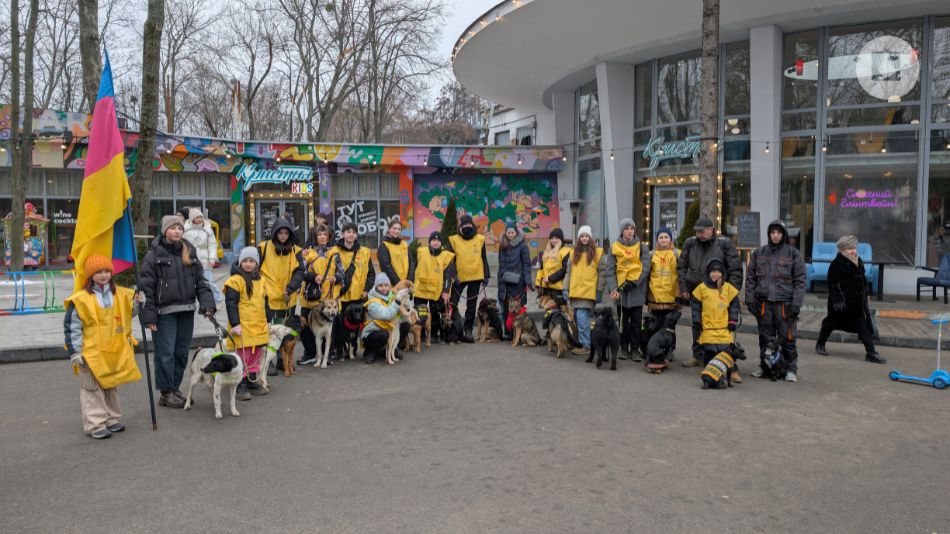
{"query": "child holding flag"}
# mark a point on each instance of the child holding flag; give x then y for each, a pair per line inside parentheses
(247, 318)
(98, 328)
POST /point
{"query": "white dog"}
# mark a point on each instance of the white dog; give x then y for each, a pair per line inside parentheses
(216, 369)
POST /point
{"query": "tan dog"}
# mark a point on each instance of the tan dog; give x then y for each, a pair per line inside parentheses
(487, 323)
(419, 320)
(559, 324)
(525, 331)
(320, 323)
(404, 298)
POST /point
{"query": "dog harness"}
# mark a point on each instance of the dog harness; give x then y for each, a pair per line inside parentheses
(226, 379)
(718, 367)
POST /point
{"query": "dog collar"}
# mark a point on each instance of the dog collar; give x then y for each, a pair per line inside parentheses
(350, 326)
(270, 349)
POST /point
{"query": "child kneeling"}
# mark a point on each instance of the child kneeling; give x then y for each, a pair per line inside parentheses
(716, 313)
(381, 312)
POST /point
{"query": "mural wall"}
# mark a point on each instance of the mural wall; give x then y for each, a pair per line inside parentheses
(492, 200)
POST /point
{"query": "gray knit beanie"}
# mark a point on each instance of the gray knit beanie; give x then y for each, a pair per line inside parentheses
(381, 278)
(249, 252)
(624, 223)
(170, 220)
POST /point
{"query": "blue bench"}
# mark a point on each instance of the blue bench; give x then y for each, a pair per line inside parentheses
(941, 278)
(818, 270)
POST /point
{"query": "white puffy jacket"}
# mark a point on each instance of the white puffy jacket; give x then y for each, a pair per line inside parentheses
(202, 237)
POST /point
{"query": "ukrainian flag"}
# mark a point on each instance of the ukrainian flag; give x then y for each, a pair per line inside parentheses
(104, 225)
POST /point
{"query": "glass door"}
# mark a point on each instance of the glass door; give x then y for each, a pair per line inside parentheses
(671, 203)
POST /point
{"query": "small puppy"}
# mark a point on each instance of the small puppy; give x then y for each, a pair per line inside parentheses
(283, 341)
(216, 369)
(346, 331)
(662, 343)
(604, 335)
(523, 326)
(773, 361)
(451, 326)
(487, 322)
(321, 320)
(716, 373)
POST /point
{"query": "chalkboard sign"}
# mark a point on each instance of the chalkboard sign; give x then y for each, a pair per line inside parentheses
(749, 228)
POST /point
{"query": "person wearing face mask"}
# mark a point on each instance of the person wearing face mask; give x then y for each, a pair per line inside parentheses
(394, 258)
(848, 308)
(774, 293)
(471, 265)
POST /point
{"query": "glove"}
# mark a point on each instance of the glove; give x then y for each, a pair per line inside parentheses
(76, 359)
(207, 312)
(753, 308)
(485, 283)
(236, 330)
(732, 327)
(838, 306)
(793, 311)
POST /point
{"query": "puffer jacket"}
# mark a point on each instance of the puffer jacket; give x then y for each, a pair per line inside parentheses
(696, 255)
(513, 256)
(379, 312)
(169, 285)
(202, 237)
(776, 272)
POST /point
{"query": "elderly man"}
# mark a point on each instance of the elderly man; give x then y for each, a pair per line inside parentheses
(697, 251)
(774, 292)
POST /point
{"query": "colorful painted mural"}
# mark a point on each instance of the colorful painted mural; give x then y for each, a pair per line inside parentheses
(493, 201)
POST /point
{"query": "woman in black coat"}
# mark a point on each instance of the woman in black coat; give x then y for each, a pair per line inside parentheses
(514, 270)
(848, 300)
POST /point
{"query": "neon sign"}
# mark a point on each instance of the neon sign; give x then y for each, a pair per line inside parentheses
(658, 150)
(861, 198)
(283, 174)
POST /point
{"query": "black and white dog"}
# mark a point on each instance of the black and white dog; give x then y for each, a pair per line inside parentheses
(604, 335)
(662, 342)
(216, 369)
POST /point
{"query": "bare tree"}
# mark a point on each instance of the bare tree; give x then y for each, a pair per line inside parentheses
(253, 46)
(709, 126)
(186, 24)
(57, 39)
(89, 52)
(148, 123)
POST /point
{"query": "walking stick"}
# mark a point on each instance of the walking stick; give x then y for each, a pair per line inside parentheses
(141, 306)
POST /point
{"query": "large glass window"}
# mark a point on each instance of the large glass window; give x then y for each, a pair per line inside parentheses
(678, 89)
(938, 198)
(62, 227)
(368, 200)
(797, 202)
(588, 120)
(643, 98)
(800, 71)
(590, 180)
(737, 81)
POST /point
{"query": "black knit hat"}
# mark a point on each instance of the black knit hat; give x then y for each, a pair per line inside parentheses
(557, 233)
(435, 235)
(466, 220)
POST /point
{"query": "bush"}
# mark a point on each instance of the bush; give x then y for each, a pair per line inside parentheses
(450, 223)
(692, 215)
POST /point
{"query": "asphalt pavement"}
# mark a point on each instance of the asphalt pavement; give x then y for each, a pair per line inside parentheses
(486, 438)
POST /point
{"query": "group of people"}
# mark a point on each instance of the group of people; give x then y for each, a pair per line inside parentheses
(266, 283)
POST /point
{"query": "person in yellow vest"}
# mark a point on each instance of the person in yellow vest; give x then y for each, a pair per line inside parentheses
(394, 258)
(381, 312)
(471, 266)
(716, 313)
(323, 280)
(550, 277)
(663, 286)
(245, 303)
(358, 269)
(433, 278)
(99, 342)
(628, 269)
(282, 269)
(581, 283)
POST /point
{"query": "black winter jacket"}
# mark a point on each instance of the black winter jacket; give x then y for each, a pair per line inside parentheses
(513, 256)
(232, 298)
(847, 284)
(776, 272)
(696, 254)
(167, 281)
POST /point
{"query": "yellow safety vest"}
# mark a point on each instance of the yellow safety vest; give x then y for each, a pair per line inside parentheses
(399, 258)
(253, 317)
(663, 277)
(107, 342)
(385, 325)
(550, 266)
(430, 273)
(318, 266)
(360, 271)
(583, 282)
(276, 271)
(715, 318)
(627, 259)
(468, 257)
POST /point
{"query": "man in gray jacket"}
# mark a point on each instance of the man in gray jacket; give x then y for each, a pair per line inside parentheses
(696, 253)
(774, 292)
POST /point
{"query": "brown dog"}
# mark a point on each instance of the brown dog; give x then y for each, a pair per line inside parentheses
(419, 320)
(558, 321)
(525, 330)
(283, 341)
(487, 323)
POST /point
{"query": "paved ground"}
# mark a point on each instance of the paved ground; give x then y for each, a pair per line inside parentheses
(486, 438)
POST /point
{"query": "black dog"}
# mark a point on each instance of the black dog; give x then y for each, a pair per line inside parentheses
(604, 334)
(346, 331)
(773, 361)
(716, 373)
(450, 326)
(663, 341)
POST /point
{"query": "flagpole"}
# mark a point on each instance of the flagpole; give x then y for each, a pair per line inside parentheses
(138, 287)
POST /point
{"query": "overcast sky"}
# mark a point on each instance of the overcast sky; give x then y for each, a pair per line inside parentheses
(462, 13)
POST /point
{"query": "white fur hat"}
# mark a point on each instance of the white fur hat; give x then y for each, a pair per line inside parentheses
(584, 230)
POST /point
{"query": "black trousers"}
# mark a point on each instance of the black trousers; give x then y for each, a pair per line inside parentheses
(775, 322)
(471, 301)
(864, 334)
(374, 345)
(631, 325)
(277, 315)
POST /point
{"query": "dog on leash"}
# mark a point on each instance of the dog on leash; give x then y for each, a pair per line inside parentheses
(419, 321)
(345, 335)
(451, 326)
(216, 369)
(773, 361)
(321, 320)
(558, 325)
(522, 325)
(487, 321)
(662, 342)
(604, 336)
(406, 315)
(282, 342)
(716, 374)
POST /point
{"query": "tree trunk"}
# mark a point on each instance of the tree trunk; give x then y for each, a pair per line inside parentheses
(148, 119)
(89, 52)
(709, 128)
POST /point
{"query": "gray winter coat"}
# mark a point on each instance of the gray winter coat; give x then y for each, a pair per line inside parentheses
(690, 268)
(637, 295)
(776, 272)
